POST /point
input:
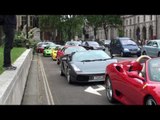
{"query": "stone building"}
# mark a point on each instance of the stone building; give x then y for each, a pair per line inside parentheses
(111, 33)
(137, 27)
(140, 27)
(23, 19)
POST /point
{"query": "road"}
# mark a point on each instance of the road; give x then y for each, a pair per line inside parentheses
(73, 94)
(60, 92)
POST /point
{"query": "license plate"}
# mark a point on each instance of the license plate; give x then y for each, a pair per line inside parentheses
(98, 77)
(133, 51)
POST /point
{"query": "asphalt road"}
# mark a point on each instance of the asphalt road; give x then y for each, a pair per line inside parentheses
(74, 94)
(59, 92)
(70, 94)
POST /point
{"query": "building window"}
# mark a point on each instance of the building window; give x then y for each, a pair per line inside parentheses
(144, 18)
(130, 21)
(23, 20)
(126, 22)
(31, 20)
(130, 33)
(126, 32)
(138, 19)
(150, 17)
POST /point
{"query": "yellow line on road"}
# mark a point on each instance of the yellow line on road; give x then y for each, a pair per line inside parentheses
(46, 85)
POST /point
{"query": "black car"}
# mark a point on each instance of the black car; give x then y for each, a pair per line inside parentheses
(85, 66)
(92, 45)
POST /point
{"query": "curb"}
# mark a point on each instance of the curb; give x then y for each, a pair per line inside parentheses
(12, 83)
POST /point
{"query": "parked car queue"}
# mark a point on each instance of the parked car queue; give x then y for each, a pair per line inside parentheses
(122, 79)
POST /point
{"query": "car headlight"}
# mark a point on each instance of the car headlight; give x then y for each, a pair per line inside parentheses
(126, 49)
(138, 49)
(76, 68)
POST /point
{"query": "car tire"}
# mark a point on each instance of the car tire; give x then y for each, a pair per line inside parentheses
(138, 55)
(57, 62)
(159, 54)
(150, 101)
(62, 74)
(111, 54)
(109, 90)
(144, 53)
(68, 76)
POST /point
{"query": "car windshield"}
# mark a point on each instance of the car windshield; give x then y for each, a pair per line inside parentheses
(57, 47)
(128, 42)
(107, 41)
(154, 69)
(93, 44)
(91, 55)
(69, 50)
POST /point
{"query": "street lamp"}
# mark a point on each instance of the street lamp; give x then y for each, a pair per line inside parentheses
(27, 26)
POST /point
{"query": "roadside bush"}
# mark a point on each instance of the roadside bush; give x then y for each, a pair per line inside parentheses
(19, 40)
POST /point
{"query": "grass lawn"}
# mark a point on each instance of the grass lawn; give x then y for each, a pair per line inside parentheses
(15, 53)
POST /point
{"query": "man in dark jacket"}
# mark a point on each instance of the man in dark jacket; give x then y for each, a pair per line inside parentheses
(9, 26)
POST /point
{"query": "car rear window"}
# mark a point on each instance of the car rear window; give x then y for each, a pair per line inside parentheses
(128, 42)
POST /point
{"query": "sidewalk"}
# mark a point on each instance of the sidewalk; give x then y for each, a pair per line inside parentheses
(34, 93)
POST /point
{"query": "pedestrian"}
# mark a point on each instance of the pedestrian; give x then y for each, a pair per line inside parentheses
(9, 26)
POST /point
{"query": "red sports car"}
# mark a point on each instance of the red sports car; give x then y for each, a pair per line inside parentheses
(134, 82)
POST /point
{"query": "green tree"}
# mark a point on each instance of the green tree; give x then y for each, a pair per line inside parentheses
(110, 21)
(94, 21)
(49, 23)
(66, 26)
(73, 25)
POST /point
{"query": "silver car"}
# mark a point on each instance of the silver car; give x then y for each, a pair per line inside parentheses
(152, 48)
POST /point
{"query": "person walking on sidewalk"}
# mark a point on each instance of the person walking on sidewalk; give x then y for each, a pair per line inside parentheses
(9, 26)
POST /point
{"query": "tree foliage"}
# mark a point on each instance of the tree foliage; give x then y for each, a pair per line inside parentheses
(68, 26)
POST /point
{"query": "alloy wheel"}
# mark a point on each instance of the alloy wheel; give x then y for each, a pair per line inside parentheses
(109, 91)
(150, 101)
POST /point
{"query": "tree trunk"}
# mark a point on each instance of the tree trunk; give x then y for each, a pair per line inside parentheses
(112, 32)
(54, 34)
(105, 31)
(69, 35)
(95, 32)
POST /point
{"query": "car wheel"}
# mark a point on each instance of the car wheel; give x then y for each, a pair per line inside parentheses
(144, 53)
(111, 54)
(150, 101)
(62, 74)
(138, 55)
(159, 54)
(57, 62)
(109, 90)
(68, 76)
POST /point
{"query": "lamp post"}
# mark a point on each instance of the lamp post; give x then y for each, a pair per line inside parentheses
(27, 26)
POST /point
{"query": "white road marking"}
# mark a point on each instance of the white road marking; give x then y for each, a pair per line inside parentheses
(94, 91)
(46, 85)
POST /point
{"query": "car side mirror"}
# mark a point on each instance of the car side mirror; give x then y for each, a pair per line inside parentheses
(134, 74)
(64, 59)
